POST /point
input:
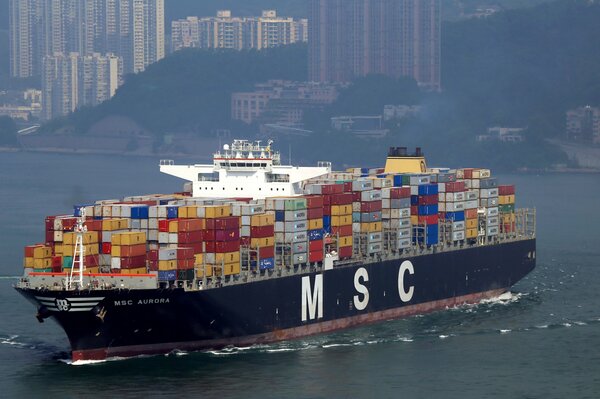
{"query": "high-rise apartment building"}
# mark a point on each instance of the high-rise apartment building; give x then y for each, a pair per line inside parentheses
(352, 38)
(227, 31)
(131, 29)
(71, 81)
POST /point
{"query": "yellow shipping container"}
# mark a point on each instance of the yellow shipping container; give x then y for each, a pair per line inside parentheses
(139, 270)
(167, 264)
(128, 238)
(91, 249)
(217, 211)
(115, 224)
(198, 259)
(173, 226)
(90, 237)
(506, 199)
(345, 241)
(414, 219)
(42, 263)
(262, 242)
(344, 220)
(42, 252)
(58, 249)
(509, 218)
(340, 210)
(28, 262)
(471, 233)
(370, 227)
(200, 271)
(314, 224)
(231, 269)
(228, 257)
(92, 270)
(266, 219)
(471, 223)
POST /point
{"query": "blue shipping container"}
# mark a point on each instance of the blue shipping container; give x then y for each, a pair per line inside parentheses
(427, 210)
(279, 216)
(428, 189)
(172, 212)
(397, 180)
(315, 235)
(139, 212)
(77, 209)
(327, 223)
(455, 216)
(167, 275)
(414, 200)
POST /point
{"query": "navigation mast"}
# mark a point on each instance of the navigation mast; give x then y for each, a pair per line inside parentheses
(75, 277)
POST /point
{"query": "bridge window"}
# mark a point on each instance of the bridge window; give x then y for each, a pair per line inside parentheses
(208, 176)
(277, 178)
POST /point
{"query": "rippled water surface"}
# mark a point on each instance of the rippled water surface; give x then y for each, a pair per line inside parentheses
(541, 340)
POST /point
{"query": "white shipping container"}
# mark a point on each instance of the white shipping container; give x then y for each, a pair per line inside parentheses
(458, 235)
(245, 231)
(98, 210)
(106, 235)
(458, 226)
(472, 195)
(404, 243)
(471, 204)
(468, 183)
(163, 238)
(385, 203)
(167, 254)
(414, 190)
(58, 236)
(441, 207)
(135, 224)
(455, 206)
(144, 224)
(246, 220)
(481, 173)
(420, 179)
(382, 183)
(153, 211)
(173, 238)
(404, 233)
(491, 221)
(106, 211)
(116, 211)
(404, 222)
(115, 263)
(386, 193)
(371, 195)
(492, 231)
(153, 223)
(162, 211)
(453, 197)
(475, 183)
(362, 185)
(152, 235)
(488, 192)
(441, 187)
(385, 213)
(492, 211)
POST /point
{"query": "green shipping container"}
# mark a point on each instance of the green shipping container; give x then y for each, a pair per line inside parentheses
(506, 208)
(67, 262)
(295, 204)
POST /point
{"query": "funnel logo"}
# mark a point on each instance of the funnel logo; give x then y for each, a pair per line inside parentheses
(63, 305)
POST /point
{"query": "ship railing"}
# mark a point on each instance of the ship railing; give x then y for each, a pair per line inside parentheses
(167, 162)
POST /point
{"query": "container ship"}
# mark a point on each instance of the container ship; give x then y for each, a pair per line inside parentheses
(253, 252)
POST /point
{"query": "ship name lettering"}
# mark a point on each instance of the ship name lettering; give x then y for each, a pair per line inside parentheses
(361, 304)
(312, 299)
(147, 301)
(405, 296)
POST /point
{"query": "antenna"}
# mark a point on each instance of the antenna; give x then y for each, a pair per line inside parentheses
(75, 278)
(290, 150)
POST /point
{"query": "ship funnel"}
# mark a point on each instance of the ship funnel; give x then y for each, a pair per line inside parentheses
(400, 161)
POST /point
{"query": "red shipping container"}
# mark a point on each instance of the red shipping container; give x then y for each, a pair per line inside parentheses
(402, 192)
(471, 213)
(342, 199)
(106, 248)
(153, 265)
(152, 255)
(186, 237)
(163, 225)
(455, 187)
(57, 269)
(508, 227)
(332, 188)
(185, 225)
(185, 253)
(348, 187)
(185, 264)
(314, 213)
(266, 252)
(262, 231)
(343, 231)
(314, 201)
(326, 210)
(428, 199)
(132, 251)
(441, 215)
(414, 210)
(69, 223)
(371, 206)
(222, 246)
(345, 252)
(315, 245)
(49, 236)
(245, 240)
(57, 261)
(133, 262)
(356, 196)
(222, 235)
(431, 219)
(224, 223)
(506, 190)
(94, 225)
(315, 256)
(468, 173)
(29, 250)
(91, 260)
(49, 222)
(197, 247)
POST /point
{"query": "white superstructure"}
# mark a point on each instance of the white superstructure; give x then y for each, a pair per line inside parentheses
(245, 170)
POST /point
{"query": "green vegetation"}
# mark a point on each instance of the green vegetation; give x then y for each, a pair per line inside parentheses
(192, 89)
(8, 132)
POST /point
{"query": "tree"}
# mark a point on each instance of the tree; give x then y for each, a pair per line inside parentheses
(8, 131)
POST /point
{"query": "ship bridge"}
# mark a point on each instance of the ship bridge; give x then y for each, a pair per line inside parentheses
(245, 170)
